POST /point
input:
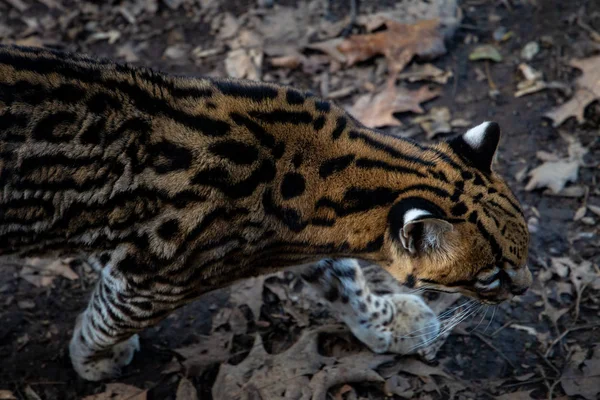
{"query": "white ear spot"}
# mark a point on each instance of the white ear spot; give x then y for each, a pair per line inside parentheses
(475, 136)
(414, 214)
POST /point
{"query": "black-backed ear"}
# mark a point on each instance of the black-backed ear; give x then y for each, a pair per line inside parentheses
(419, 225)
(478, 145)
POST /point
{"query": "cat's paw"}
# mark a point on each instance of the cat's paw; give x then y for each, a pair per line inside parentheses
(97, 366)
(415, 327)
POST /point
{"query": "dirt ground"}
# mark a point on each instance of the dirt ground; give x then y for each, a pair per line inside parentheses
(543, 345)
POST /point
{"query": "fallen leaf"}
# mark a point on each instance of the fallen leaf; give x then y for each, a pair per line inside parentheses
(339, 395)
(42, 272)
(435, 122)
(553, 175)
(378, 110)
(594, 209)
(581, 377)
(30, 394)
(485, 52)
(246, 57)
(530, 50)
(127, 53)
(580, 213)
(176, 52)
(580, 274)
(7, 395)
(26, 304)
(399, 44)
(186, 390)
(210, 350)
(119, 391)
(399, 386)
(426, 72)
(523, 395)
(587, 90)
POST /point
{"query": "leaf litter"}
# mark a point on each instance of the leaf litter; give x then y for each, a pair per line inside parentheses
(247, 45)
(587, 90)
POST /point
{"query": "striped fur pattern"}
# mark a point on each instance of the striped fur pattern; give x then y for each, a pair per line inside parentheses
(177, 186)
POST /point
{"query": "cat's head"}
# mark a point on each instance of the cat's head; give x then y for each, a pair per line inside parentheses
(464, 231)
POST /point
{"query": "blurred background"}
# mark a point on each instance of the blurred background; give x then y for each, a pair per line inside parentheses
(423, 69)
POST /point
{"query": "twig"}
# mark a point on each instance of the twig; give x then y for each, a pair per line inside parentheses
(579, 292)
(491, 83)
(491, 346)
(551, 391)
(536, 380)
(566, 332)
(548, 363)
(595, 36)
(506, 325)
(18, 4)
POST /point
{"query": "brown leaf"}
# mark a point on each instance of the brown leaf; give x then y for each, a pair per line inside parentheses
(42, 272)
(426, 72)
(7, 395)
(339, 395)
(186, 390)
(213, 349)
(587, 91)
(523, 395)
(581, 377)
(378, 110)
(30, 394)
(553, 175)
(437, 121)
(399, 44)
(119, 391)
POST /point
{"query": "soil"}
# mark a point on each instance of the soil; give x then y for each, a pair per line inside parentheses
(36, 322)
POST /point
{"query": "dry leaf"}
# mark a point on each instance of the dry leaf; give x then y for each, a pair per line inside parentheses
(243, 63)
(7, 395)
(176, 52)
(119, 391)
(298, 372)
(437, 121)
(426, 72)
(580, 213)
(594, 209)
(485, 52)
(41, 273)
(213, 349)
(246, 57)
(587, 89)
(186, 390)
(523, 395)
(30, 394)
(399, 44)
(553, 175)
(581, 377)
(339, 395)
(378, 110)
(581, 274)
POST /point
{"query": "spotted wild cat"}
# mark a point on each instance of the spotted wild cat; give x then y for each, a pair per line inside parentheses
(175, 186)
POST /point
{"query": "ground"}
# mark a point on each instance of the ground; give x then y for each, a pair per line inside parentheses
(544, 344)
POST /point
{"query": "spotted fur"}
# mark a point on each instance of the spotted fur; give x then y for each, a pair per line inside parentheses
(176, 186)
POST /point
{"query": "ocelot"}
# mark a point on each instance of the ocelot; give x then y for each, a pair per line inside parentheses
(174, 186)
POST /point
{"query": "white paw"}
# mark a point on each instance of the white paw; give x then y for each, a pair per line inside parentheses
(415, 328)
(93, 366)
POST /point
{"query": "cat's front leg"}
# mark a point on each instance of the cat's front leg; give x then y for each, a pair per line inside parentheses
(398, 323)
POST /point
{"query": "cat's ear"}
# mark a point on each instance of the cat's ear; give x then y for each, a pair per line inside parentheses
(422, 231)
(478, 145)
